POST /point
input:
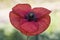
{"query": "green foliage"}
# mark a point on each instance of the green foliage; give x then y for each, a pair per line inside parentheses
(2, 36)
(18, 36)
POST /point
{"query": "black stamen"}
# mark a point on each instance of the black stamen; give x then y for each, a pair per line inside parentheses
(31, 17)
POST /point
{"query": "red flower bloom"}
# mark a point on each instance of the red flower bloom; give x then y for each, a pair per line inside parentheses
(30, 21)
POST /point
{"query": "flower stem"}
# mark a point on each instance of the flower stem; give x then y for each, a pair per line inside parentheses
(27, 37)
(37, 37)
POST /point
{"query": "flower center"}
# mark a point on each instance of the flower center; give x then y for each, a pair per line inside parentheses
(31, 17)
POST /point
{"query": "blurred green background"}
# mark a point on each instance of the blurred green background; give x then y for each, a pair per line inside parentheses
(8, 32)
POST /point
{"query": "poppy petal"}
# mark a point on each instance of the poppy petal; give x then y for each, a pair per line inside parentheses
(21, 9)
(29, 27)
(43, 25)
(22, 24)
(41, 11)
(16, 20)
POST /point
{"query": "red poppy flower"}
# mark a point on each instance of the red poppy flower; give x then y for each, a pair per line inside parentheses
(30, 21)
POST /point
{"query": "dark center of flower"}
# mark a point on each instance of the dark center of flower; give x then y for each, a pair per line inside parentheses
(31, 17)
